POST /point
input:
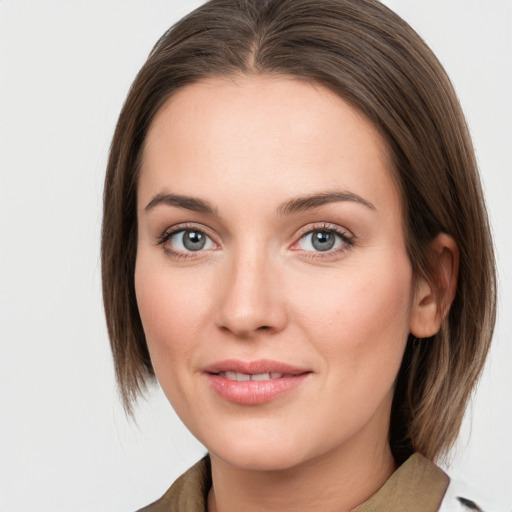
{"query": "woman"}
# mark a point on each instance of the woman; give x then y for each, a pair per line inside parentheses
(295, 244)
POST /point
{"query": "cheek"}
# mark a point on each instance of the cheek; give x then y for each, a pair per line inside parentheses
(171, 311)
(360, 316)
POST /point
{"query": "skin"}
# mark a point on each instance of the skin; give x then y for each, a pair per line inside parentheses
(260, 290)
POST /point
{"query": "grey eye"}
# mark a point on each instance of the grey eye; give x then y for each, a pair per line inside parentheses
(323, 240)
(194, 240)
(188, 240)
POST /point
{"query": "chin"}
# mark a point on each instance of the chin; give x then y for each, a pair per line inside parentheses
(258, 454)
(256, 460)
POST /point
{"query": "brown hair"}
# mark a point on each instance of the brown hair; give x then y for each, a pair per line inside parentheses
(370, 57)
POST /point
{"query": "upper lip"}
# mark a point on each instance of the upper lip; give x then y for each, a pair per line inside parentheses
(254, 367)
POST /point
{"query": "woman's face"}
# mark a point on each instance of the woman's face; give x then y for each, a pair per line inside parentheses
(272, 276)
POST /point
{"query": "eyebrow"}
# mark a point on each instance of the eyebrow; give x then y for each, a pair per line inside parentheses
(294, 205)
(189, 203)
(303, 203)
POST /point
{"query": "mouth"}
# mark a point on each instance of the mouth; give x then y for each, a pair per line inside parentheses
(255, 382)
(243, 377)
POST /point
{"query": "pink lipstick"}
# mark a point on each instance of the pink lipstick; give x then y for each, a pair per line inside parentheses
(254, 382)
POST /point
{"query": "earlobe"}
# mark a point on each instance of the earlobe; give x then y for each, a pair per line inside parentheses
(432, 300)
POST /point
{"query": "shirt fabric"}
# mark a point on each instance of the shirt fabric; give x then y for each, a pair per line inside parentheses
(418, 485)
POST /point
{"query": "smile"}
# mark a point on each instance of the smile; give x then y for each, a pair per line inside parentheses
(241, 377)
(254, 383)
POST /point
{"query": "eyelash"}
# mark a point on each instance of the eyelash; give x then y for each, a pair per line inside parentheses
(169, 233)
(348, 240)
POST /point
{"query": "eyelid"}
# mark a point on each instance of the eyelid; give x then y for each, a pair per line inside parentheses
(185, 226)
(170, 231)
(324, 226)
(346, 236)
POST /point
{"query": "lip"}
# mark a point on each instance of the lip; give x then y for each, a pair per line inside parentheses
(254, 392)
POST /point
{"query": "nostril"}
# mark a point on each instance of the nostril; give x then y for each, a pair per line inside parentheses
(245, 332)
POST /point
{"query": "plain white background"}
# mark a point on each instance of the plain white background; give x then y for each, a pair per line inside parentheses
(65, 68)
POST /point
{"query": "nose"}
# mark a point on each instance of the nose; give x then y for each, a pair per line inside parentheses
(251, 299)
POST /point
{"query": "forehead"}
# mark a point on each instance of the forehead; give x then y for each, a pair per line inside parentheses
(278, 134)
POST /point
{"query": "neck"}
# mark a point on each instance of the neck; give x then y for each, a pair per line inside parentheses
(334, 482)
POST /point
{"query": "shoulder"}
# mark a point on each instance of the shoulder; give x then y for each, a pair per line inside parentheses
(461, 497)
(189, 492)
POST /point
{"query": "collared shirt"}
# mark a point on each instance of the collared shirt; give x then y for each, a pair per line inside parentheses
(418, 485)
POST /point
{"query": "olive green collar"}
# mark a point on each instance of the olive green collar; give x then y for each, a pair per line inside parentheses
(417, 485)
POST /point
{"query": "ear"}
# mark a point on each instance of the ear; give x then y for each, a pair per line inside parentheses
(432, 301)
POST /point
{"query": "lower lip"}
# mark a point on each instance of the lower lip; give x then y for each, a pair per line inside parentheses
(254, 392)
